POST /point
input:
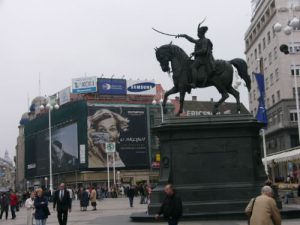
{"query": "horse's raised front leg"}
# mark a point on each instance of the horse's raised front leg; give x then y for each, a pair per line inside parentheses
(181, 101)
(173, 90)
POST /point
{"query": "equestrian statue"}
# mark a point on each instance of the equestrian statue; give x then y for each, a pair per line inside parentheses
(203, 71)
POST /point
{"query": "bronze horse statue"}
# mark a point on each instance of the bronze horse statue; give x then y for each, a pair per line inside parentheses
(181, 68)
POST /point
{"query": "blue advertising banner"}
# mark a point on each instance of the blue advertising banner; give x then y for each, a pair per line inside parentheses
(112, 86)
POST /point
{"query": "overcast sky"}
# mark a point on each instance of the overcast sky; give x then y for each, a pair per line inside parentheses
(64, 39)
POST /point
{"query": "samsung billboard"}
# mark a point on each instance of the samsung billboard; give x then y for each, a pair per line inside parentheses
(111, 86)
(141, 87)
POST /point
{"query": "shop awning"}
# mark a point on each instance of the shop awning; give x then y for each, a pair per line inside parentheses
(284, 156)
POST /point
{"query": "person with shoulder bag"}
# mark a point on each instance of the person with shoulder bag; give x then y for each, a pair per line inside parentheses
(262, 210)
(41, 208)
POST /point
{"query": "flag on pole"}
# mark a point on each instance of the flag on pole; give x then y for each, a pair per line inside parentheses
(261, 111)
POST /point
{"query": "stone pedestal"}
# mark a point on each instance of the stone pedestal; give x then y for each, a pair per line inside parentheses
(214, 162)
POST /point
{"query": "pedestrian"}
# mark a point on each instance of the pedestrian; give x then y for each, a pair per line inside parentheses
(4, 205)
(171, 207)
(93, 198)
(84, 199)
(29, 205)
(130, 195)
(13, 201)
(262, 210)
(41, 208)
(62, 203)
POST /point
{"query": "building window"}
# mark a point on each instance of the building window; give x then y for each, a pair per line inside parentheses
(268, 103)
(259, 48)
(295, 49)
(250, 97)
(293, 115)
(273, 99)
(278, 95)
(275, 53)
(264, 43)
(267, 83)
(270, 58)
(294, 94)
(295, 70)
(274, 33)
(271, 79)
(269, 37)
(277, 74)
(265, 63)
(255, 54)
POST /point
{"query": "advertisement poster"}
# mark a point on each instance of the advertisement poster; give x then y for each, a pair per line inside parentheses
(112, 86)
(64, 150)
(84, 85)
(141, 87)
(64, 96)
(122, 125)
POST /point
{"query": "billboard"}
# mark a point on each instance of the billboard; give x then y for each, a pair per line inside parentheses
(64, 96)
(64, 151)
(84, 85)
(126, 126)
(112, 86)
(138, 87)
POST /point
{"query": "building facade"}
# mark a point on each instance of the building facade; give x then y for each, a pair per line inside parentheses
(264, 55)
(7, 174)
(73, 132)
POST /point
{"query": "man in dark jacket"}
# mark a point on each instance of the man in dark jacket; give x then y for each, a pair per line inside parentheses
(4, 205)
(171, 207)
(130, 195)
(62, 202)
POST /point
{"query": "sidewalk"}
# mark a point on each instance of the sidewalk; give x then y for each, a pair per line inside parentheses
(114, 212)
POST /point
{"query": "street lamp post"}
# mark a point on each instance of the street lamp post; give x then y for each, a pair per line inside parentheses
(288, 30)
(50, 108)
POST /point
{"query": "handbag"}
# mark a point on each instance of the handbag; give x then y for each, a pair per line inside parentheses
(250, 214)
(47, 211)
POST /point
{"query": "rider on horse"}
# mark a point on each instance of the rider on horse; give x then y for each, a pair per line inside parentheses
(204, 64)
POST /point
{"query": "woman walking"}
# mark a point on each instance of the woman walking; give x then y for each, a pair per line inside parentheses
(41, 208)
(84, 200)
(29, 205)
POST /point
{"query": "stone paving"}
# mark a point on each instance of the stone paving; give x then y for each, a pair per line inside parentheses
(115, 212)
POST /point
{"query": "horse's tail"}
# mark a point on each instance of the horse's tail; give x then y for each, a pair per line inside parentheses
(242, 69)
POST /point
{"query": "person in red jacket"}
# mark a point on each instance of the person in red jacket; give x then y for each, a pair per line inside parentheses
(13, 201)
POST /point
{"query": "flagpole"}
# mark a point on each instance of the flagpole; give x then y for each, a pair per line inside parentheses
(263, 132)
(265, 151)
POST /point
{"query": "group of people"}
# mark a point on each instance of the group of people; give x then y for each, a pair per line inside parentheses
(37, 206)
(85, 196)
(9, 200)
(142, 190)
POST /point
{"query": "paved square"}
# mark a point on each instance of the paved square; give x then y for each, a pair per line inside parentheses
(115, 212)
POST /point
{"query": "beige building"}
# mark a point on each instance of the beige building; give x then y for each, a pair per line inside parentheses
(20, 160)
(262, 45)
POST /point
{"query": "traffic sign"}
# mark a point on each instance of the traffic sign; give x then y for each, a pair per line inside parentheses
(110, 147)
